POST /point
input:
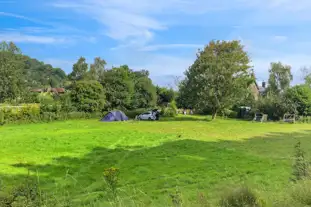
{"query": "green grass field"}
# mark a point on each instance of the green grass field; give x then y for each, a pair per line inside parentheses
(190, 154)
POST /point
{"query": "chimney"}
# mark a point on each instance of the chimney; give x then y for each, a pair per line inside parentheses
(263, 84)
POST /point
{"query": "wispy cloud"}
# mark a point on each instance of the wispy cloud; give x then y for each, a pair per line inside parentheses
(19, 17)
(23, 38)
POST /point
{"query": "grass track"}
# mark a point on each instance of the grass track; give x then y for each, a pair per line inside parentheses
(189, 153)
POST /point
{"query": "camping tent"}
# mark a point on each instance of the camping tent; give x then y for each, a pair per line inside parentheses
(114, 116)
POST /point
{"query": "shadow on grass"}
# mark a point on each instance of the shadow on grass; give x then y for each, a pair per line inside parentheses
(191, 165)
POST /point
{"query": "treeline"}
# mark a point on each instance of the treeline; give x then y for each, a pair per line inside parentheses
(90, 88)
(222, 79)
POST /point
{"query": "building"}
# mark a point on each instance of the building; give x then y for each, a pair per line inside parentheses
(52, 90)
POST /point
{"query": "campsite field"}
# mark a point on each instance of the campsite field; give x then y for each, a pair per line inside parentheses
(190, 154)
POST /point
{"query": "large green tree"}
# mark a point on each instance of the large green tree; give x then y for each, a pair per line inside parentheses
(97, 69)
(300, 96)
(218, 77)
(87, 96)
(279, 78)
(119, 87)
(164, 95)
(40, 75)
(79, 70)
(144, 91)
(11, 70)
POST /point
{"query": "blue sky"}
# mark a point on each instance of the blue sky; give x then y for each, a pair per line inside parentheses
(161, 36)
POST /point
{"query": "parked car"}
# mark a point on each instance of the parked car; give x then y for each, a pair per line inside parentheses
(147, 116)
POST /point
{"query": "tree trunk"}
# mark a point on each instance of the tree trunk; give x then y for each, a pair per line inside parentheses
(214, 114)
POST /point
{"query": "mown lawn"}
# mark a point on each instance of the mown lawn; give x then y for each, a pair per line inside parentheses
(190, 154)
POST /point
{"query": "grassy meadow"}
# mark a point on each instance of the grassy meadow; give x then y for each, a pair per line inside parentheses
(190, 154)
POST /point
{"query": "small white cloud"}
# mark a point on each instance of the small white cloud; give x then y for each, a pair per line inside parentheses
(24, 38)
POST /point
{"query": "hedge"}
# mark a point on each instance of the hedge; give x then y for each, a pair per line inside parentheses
(31, 113)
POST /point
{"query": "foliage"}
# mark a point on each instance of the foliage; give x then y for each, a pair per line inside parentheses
(11, 65)
(275, 106)
(144, 91)
(119, 87)
(176, 199)
(25, 112)
(165, 95)
(300, 166)
(300, 96)
(79, 70)
(170, 110)
(20, 73)
(97, 69)
(87, 96)
(66, 103)
(301, 193)
(279, 78)
(41, 75)
(218, 77)
(241, 197)
(111, 176)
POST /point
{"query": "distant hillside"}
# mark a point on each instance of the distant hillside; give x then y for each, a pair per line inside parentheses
(39, 74)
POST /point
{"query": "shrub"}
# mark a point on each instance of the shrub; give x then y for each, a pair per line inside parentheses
(170, 110)
(241, 197)
(301, 193)
(300, 166)
(25, 113)
(111, 176)
(88, 96)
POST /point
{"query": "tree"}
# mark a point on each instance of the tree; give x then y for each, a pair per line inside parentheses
(300, 96)
(79, 70)
(11, 69)
(119, 87)
(97, 69)
(87, 96)
(165, 95)
(306, 73)
(218, 77)
(144, 91)
(279, 78)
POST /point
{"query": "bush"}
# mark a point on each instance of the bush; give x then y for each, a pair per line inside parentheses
(88, 96)
(242, 197)
(301, 193)
(168, 112)
(301, 165)
(25, 113)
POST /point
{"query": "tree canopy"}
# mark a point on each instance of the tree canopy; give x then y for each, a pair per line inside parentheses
(218, 77)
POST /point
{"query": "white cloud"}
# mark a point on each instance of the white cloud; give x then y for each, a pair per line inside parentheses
(24, 38)
(16, 16)
(262, 65)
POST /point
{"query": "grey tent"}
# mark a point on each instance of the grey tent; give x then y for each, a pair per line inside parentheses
(115, 116)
